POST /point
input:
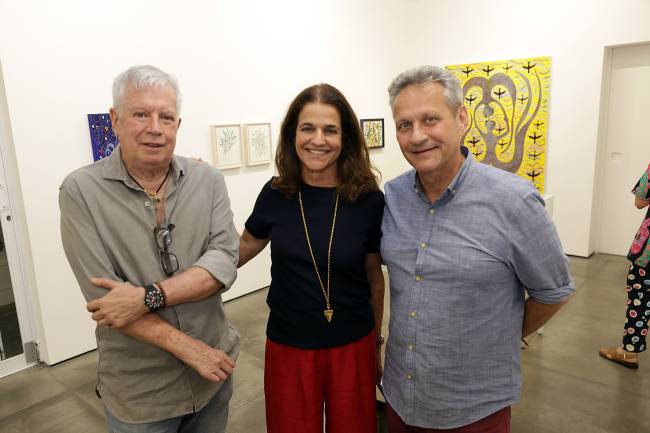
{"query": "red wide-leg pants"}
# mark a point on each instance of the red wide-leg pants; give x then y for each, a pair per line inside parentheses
(300, 384)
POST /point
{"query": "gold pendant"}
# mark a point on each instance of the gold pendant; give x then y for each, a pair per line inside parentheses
(328, 315)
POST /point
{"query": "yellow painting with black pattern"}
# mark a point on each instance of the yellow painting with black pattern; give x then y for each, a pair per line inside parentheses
(507, 102)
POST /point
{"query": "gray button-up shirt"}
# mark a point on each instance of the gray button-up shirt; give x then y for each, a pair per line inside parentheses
(107, 225)
(458, 268)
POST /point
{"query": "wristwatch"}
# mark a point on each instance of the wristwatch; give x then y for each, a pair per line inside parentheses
(154, 297)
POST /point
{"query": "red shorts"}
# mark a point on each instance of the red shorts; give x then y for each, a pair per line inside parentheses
(300, 384)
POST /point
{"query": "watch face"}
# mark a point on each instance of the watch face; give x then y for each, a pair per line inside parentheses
(153, 298)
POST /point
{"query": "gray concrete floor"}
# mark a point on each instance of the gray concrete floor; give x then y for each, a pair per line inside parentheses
(567, 387)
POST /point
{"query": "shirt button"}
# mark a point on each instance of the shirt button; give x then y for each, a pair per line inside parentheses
(423, 245)
(418, 278)
(410, 347)
(409, 377)
(412, 314)
(432, 211)
(146, 204)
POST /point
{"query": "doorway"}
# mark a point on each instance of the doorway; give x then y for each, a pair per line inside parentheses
(626, 146)
(17, 337)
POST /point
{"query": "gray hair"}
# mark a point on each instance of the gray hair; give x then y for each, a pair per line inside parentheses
(142, 76)
(424, 74)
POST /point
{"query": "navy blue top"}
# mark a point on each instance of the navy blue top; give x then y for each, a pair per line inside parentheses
(295, 296)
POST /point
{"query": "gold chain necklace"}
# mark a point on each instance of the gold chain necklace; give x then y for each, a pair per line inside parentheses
(328, 311)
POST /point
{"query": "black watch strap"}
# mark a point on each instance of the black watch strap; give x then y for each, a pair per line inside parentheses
(154, 297)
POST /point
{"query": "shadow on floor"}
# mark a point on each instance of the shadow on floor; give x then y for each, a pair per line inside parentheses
(567, 387)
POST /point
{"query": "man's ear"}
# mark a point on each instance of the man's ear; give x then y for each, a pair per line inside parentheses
(463, 117)
(179, 123)
(114, 120)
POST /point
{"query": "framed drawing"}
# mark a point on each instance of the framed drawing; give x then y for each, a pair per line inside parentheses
(373, 131)
(226, 146)
(102, 137)
(258, 143)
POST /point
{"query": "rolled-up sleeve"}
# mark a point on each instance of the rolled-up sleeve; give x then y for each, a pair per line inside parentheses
(536, 255)
(220, 258)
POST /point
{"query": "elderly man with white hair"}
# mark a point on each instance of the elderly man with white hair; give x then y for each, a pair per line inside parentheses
(150, 238)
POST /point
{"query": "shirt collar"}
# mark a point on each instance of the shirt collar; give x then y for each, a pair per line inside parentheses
(114, 168)
(456, 181)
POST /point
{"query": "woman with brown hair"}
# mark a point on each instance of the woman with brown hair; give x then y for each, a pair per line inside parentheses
(322, 215)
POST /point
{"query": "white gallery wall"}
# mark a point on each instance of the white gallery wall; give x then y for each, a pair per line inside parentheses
(574, 34)
(237, 62)
(241, 62)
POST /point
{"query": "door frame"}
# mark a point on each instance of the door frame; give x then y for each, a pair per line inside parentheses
(14, 230)
(601, 151)
(601, 147)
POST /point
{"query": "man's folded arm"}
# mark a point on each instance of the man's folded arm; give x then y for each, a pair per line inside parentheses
(88, 258)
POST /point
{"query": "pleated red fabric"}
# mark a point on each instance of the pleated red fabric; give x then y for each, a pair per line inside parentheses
(301, 385)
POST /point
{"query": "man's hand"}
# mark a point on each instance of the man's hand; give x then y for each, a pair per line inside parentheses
(212, 364)
(122, 305)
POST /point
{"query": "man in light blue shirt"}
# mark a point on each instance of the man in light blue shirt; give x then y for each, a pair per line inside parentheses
(463, 243)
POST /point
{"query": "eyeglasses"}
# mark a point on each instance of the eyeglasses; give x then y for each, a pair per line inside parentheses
(168, 260)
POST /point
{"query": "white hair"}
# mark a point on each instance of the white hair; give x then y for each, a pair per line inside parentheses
(142, 76)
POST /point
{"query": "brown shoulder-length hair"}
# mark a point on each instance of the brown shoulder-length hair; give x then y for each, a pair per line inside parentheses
(355, 173)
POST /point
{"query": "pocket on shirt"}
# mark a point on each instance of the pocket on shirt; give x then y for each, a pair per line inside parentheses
(479, 268)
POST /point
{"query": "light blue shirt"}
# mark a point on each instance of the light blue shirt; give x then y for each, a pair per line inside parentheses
(459, 269)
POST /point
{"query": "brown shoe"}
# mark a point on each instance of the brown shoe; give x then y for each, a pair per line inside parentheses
(619, 356)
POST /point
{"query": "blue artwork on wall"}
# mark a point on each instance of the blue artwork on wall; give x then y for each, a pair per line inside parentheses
(102, 137)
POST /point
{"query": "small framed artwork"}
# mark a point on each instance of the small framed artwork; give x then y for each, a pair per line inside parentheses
(258, 143)
(226, 146)
(373, 131)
